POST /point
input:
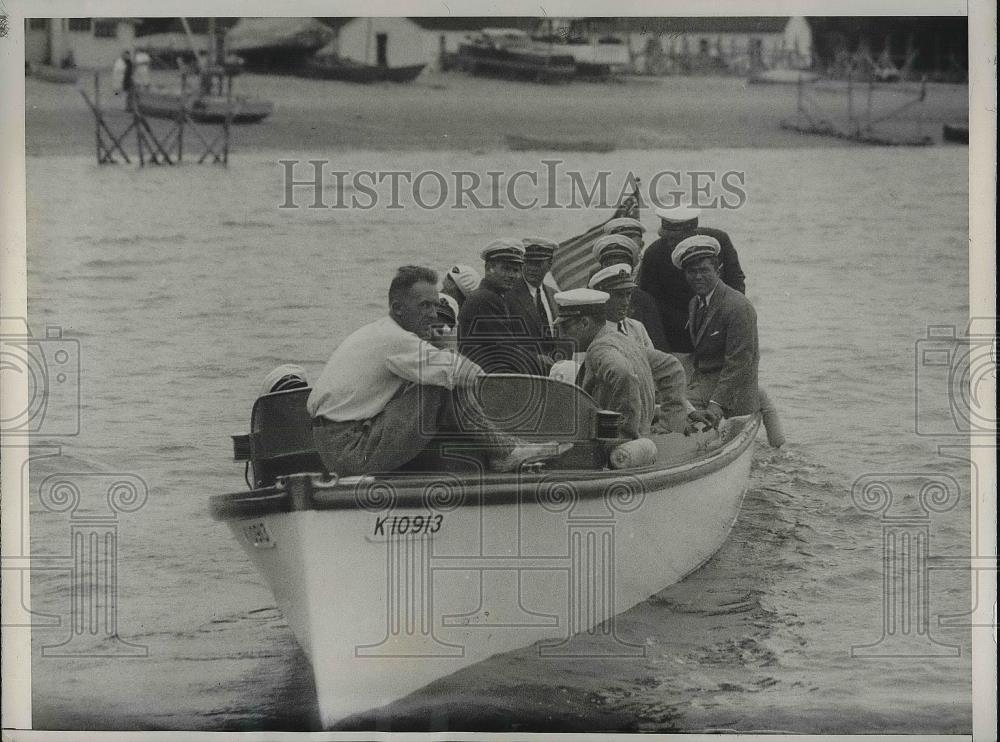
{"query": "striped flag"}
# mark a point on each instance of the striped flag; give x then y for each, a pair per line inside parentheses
(573, 262)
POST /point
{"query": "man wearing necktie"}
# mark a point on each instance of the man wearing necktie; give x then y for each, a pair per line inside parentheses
(722, 325)
(532, 304)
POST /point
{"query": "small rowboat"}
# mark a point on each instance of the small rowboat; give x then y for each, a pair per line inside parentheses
(208, 109)
(390, 581)
(956, 132)
(326, 68)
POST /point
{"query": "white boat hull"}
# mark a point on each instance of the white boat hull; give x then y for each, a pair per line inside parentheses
(386, 597)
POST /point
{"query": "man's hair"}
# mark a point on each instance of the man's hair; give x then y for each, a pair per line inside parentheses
(406, 277)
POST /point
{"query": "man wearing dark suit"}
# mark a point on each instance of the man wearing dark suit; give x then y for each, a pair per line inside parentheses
(722, 327)
(487, 333)
(667, 283)
(619, 246)
(532, 304)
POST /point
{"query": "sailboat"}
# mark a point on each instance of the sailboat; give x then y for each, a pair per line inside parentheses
(214, 102)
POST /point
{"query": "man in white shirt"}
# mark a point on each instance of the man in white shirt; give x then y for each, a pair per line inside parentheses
(393, 384)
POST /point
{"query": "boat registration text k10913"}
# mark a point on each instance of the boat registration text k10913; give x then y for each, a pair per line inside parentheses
(402, 525)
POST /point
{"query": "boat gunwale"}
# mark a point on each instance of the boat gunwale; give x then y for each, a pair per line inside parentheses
(312, 491)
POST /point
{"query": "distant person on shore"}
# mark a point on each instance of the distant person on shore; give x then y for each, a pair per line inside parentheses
(487, 332)
(667, 284)
(122, 77)
(140, 75)
(619, 374)
(459, 282)
(620, 247)
(393, 384)
(722, 326)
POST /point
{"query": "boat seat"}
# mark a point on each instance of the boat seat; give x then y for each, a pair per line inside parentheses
(529, 407)
(538, 408)
(281, 439)
(532, 408)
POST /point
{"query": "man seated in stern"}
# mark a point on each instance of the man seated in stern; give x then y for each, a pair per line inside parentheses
(532, 304)
(723, 330)
(620, 375)
(620, 246)
(488, 334)
(616, 281)
(394, 383)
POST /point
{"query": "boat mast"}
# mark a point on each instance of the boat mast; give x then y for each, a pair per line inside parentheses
(194, 49)
(213, 58)
(368, 41)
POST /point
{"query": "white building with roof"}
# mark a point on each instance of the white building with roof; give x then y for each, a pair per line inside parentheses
(90, 42)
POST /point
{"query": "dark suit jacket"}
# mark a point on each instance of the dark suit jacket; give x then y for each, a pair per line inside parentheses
(669, 288)
(645, 309)
(490, 336)
(726, 353)
(527, 323)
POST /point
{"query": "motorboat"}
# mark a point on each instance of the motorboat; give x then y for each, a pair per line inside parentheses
(391, 580)
(208, 109)
(510, 53)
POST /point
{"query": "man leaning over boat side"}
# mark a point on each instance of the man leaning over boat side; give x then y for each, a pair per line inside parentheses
(722, 325)
(393, 384)
(619, 374)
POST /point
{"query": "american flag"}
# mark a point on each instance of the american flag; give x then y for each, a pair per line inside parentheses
(573, 262)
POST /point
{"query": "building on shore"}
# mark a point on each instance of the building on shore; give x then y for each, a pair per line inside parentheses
(735, 45)
(92, 43)
(381, 41)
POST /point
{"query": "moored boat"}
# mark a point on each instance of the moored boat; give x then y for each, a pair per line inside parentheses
(389, 581)
(956, 132)
(277, 44)
(782, 76)
(208, 109)
(329, 68)
(510, 53)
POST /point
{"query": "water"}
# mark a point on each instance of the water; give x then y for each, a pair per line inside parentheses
(185, 286)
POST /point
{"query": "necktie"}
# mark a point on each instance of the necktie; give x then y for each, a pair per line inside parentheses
(543, 316)
(699, 314)
(581, 372)
(622, 327)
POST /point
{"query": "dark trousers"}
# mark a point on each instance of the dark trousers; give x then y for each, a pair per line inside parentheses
(404, 428)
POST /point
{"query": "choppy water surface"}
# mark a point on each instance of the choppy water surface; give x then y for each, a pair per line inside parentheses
(184, 286)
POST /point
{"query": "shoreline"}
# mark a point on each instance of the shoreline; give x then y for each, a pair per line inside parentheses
(452, 111)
